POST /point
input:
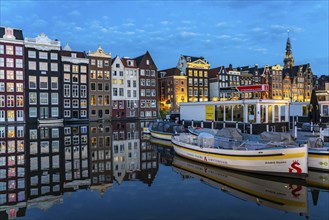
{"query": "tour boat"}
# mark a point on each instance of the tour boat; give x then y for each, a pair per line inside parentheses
(318, 158)
(165, 143)
(165, 129)
(284, 194)
(269, 159)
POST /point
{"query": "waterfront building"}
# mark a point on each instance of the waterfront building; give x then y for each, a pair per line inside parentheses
(301, 78)
(101, 156)
(196, 69)
(100, 85)
(75, 89)
(172, 89)
(118, 89)
(149, 161)
(12, 171)
(275, 82)
(12, 95)
(246, 79)
(148, 78)
(131, 79)
(76, 157)
(43, 84)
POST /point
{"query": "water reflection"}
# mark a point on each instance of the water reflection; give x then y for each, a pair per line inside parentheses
(273, 192)
(39, 165)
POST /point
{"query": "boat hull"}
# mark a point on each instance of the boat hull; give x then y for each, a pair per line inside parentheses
(318, 159)
(161, 135)
(289, 162)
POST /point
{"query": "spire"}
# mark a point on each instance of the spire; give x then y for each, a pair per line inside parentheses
(288, 58)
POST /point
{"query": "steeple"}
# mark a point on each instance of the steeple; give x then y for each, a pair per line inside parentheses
(288, 58)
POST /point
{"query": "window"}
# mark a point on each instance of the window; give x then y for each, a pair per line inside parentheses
(75, 103)
(147, 72)
(19, 63)
(83, 69)
(83, 91)
(19, 50)
(75, 68)
(54, 83)
(106, 100)
(106, 74)
(83, 78)
(100, 100)
(2, 74)
(53, 56)
(100, 86)
(10, 62)
(67, 103)
(142, 72)
(19, 101)
(93, 100)
(99, 74)
(67, 90)
(67, 67)
(100, 63)
(33, 98)
(121, 92)
(142, 82)
(83, 103)
(54, 98)
(2, 49)
(43, 55)
(115, 92)
(31, 54)
(10, 74)
(54, 112)
(19, 75)
(54, 67)
(44, 98)
(33, 112)
(43, 82)
(10, 87)
(2, 101)
(92, 86)
(2, 86)
(9, 50)
(43, 66)
(75, 91)
(10, 101)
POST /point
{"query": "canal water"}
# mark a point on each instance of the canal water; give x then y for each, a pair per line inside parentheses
(113, 171)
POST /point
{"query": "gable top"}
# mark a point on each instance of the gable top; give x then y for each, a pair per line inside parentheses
(99, 53)
(129, 62)
(9, 33)
(67, 47)
(139, 59)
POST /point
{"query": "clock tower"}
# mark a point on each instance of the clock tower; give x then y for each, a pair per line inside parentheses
(288, 61)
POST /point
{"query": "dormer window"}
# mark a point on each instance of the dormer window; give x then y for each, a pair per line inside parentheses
(74, 55)
(117, 65)
(9, 33)
(188, 59)
(147, 62)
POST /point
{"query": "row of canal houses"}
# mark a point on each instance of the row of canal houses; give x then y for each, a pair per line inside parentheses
(40, 80)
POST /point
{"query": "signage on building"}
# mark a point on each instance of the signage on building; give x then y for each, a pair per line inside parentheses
(228, 89)
(253, 88)
(210, 112)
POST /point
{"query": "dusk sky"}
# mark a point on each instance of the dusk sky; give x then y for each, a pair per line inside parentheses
(224, 32)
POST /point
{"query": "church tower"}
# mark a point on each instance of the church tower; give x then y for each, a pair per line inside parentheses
(288, 58)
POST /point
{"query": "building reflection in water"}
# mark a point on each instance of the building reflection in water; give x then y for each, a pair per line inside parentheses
(13, 196)
(39, 164)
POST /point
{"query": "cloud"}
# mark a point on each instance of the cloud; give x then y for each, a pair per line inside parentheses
(74, 13)
(39, 23)
(283, 28)
(129, 24)
(257, 29)
(188, 34)
(258, 49)
(224, 36)
(79, 28)
(164, 22)
(221, 24)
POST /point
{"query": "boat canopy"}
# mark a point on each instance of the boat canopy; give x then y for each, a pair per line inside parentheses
(206, 140)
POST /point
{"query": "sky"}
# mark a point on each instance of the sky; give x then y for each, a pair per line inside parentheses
(236, 32)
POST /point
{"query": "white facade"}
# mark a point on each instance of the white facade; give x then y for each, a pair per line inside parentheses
(119, 86)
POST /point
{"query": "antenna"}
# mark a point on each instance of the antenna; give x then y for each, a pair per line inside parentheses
(288, 33)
